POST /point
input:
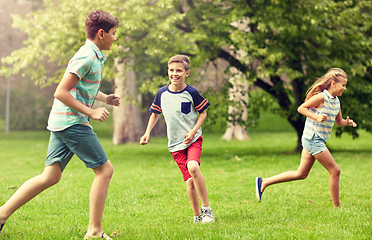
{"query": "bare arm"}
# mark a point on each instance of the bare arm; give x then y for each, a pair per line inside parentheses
(344, 122)
(318, 101)
(62, 93)
(150, 125)
(190, 136)
(314, 102)
(111, 99)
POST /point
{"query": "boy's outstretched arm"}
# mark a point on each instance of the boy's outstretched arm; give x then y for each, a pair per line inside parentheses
(190, 136)
(152, 121)
(111, 99)
(62, 93)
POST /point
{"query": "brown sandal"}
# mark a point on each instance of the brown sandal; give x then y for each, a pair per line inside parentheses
(104, 235)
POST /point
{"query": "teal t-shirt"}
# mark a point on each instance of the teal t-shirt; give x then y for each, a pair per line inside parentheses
(87, 65)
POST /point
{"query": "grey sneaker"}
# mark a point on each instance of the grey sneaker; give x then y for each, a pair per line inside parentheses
(198, 218)
(208, 216)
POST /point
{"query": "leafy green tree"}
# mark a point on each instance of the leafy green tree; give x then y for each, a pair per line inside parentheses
(288, 43)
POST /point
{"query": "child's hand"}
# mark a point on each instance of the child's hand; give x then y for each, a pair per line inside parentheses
(321, 117)
(113, 99)
(189, 137)
(144, 139)
(350, 122)
(187, 140)
(99, 114)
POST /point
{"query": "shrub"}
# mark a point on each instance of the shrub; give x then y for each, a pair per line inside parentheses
(28, 111)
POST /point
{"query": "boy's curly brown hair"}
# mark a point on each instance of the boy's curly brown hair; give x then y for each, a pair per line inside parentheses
(99, 19)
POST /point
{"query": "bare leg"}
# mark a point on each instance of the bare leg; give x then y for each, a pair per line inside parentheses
(97, 198)
(193, 196)
(325, 158)
(199, 181)
(30, 189)
(307, 162)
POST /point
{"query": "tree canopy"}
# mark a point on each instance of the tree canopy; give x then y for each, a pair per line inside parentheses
(288, 44)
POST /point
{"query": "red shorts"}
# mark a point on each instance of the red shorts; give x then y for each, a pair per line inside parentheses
(184, 156)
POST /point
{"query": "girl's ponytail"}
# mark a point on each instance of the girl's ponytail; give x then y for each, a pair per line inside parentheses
(325, 81)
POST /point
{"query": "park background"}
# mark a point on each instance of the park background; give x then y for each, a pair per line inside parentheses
(254, 79)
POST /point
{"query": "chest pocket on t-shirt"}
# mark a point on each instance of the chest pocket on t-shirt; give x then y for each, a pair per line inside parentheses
(185, 107)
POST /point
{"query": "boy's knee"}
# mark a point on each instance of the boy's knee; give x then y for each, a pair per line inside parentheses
(110, 173)
(193, 168)
(51, 174)
(52, 179)
(106, 170)
(110, 169)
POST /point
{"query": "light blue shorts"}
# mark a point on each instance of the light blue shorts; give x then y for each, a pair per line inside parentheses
(77, 139)
(314, 145)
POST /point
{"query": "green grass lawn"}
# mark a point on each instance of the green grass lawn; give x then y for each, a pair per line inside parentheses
(147, 196)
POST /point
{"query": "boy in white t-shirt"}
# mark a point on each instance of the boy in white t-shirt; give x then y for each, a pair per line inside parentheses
(184, 112)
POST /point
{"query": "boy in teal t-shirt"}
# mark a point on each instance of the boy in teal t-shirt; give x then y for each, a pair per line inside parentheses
(68, 122)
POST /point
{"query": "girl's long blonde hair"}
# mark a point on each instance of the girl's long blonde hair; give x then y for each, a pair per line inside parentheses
(325, 81)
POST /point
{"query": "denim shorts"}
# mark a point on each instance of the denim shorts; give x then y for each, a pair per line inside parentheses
(314, 145)
(77, 139)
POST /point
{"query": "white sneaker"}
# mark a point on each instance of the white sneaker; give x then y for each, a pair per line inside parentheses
(198, 218)
(208, 216)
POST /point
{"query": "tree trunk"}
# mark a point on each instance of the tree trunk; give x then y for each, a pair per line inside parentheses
(277, 92)
(235, 132)
(299, 122)
(128, 125)
(238, 114)
(298, 125)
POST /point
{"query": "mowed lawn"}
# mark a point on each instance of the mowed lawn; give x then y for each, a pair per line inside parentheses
(147, 196)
